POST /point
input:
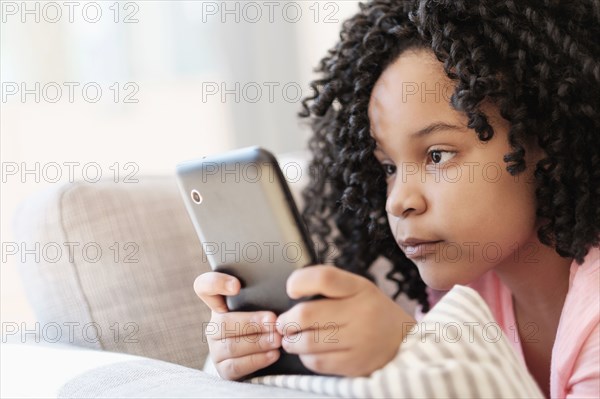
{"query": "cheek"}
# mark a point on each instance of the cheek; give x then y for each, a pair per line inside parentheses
(393, 223)
(487, 206)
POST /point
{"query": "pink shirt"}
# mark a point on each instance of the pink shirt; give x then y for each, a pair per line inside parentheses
(575, 364)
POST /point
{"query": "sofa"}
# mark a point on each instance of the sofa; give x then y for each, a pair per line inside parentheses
(109, 270)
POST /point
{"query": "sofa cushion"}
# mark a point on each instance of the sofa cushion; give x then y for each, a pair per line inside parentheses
(148, 378)
(85, 373)
(115, 268)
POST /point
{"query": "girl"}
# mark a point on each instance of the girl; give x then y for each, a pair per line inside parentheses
(460, 141)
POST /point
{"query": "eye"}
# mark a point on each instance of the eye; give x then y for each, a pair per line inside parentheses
(388, 169)
(440, 156)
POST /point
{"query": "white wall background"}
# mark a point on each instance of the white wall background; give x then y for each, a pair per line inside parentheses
(169, 55)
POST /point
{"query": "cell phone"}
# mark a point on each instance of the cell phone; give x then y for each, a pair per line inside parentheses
(249, 226)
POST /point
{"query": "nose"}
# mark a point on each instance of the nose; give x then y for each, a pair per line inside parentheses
(405, 197)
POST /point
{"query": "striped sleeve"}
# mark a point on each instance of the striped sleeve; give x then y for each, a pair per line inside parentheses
(456, 350)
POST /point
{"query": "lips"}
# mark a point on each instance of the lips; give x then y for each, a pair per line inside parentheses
(417, 248)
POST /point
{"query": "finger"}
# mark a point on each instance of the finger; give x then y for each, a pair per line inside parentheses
(315, 341)
(237, 324)
(240, 346)
(212, 286)
(236, 368)
(315, 314)
(326, 280)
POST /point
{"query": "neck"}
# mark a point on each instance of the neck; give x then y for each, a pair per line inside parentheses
(538, 278)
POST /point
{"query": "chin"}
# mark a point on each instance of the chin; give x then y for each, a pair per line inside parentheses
(439, 285)
(439, 278)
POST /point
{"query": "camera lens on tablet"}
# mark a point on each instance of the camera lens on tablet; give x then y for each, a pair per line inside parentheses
(196, 197)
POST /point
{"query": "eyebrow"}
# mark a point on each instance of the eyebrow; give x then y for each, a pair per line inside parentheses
(427, 130)
(433, 128)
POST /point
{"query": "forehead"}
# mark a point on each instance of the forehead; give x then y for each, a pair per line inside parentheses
(411, 92)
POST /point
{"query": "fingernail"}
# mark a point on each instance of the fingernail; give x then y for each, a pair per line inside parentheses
(272, 354)
(231, 286)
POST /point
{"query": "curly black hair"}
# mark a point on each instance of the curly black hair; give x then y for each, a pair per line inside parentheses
(537, 61)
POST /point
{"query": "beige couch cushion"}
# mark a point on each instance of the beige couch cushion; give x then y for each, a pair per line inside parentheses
(135, 296)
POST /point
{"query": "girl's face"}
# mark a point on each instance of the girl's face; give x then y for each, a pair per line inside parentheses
(444, 185)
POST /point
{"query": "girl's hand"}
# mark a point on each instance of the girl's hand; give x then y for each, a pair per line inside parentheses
(356, 330)
(239, 342)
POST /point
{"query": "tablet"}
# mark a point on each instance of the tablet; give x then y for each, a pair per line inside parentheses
(248, 224)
